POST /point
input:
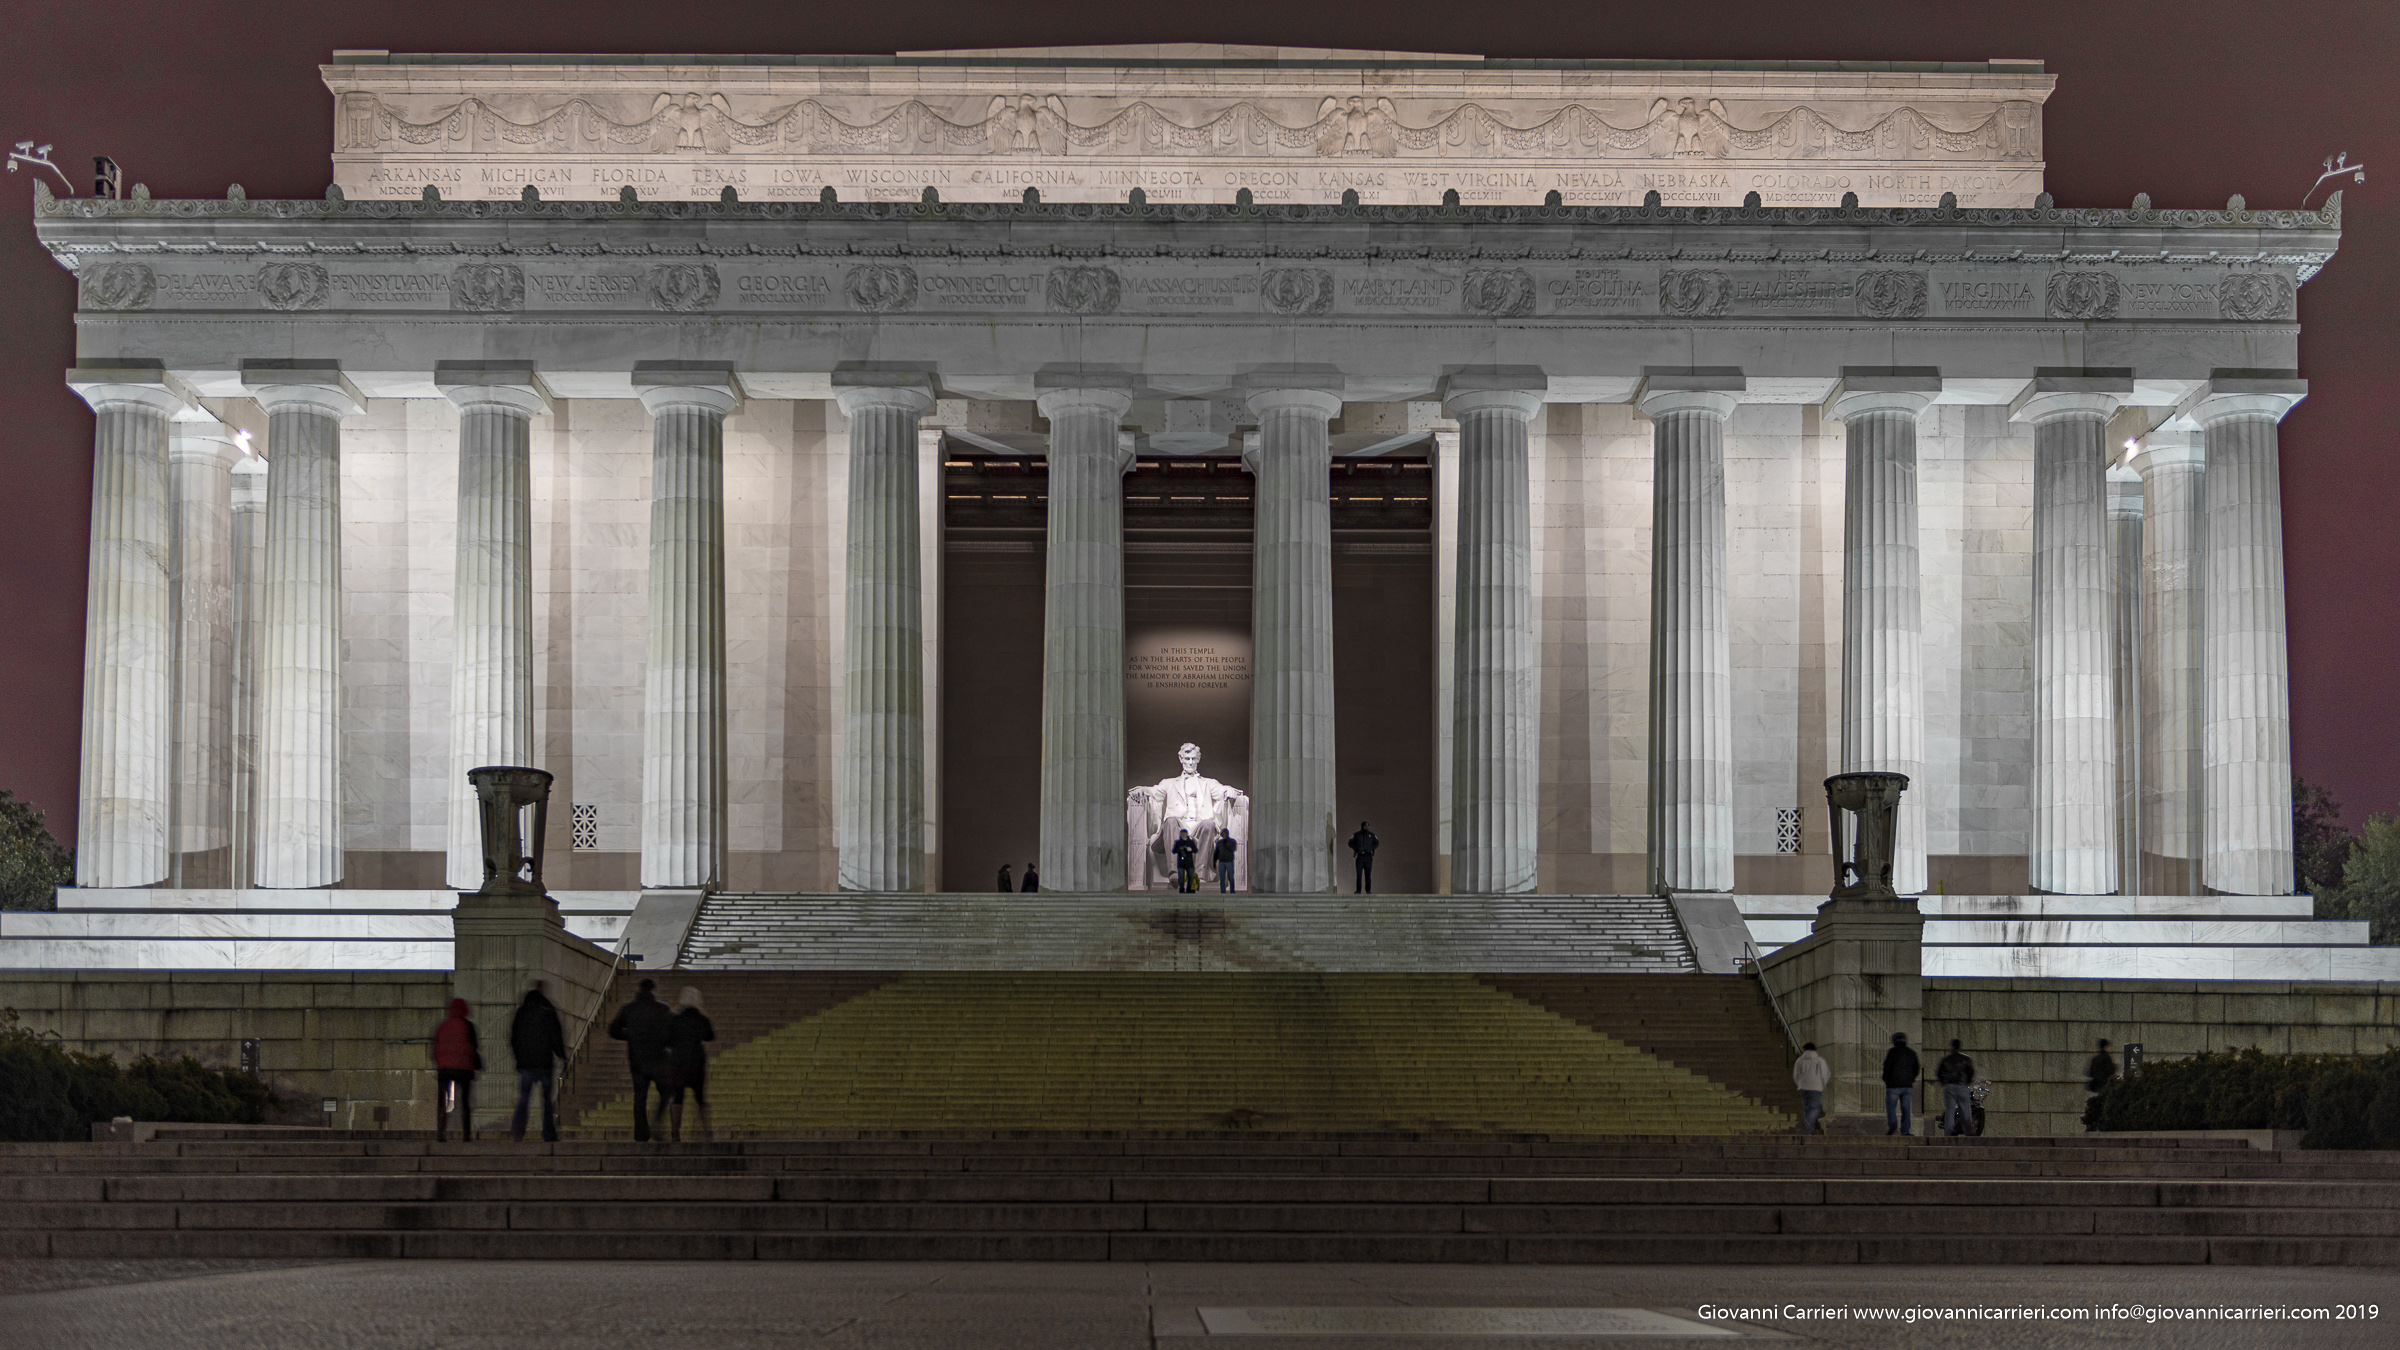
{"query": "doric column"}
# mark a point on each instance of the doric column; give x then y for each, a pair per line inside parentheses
(1083, 640)
(683, 685)
(200, 458)
(2173, 465)
(1496, 701)
(879, 818)
(124, 794)
(1291, 705)
(1883, 628)
(249, 591)
(491, 668)
(2245, 671)
(2125, 610)
(2072, 850)
(1691, 663)
(300, 623)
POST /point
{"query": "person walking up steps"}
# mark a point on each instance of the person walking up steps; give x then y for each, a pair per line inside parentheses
(1222, 856)
(456, 1057)
(1956, 1074)
(1900, 1073)
(1810, 1074)
(540, 1045)
(642, 1025)
(688, 1033)
(1033, 880)
(1008, 885)
(1362, 852)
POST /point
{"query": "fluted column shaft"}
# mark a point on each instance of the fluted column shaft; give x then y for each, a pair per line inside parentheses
(1691, 662)
(1883, 627)
(200, 458)
(249, 598)
(1083, 644)
(2245, 670)
(683, 694)
(1496, 708)
(491, 669)
(1291, 706)
(879, 820)
(2125, 584)
(2074, 837)
(125, 785)
(300, 628)
(2173, 466)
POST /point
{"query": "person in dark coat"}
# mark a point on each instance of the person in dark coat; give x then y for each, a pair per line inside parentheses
(1223, 858)
(1008, 884)
(2099, 1073)
(456, 1057)
(1362, 852)
(1187, 871)
(1033, 879)
(540, 1045)
(1900, 1073)
(642, 1025)
(1956, 1074)
(688, 1033)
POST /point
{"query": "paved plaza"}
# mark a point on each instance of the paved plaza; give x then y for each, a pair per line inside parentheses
(403, 1305)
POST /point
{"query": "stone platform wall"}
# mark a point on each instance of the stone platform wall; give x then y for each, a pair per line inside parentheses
(362, 1038)
(2033, 1037)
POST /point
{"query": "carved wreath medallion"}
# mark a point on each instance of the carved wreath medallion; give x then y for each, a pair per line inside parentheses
(680, 288)
(293, 285)
(1501, 292)
(2255, 295)
(2084, 295)
(881, 287)
(1297, 290)
(1083, 290)
(124, 285)
(487, 288)
(1891, 295)
(1694, 295)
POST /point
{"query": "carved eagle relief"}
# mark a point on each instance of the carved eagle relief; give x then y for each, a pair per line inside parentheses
(688, 118)
(1689, 124)
(1355, 126)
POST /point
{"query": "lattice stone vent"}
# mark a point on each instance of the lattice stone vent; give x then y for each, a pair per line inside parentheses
(587, 827)
(1787, 829)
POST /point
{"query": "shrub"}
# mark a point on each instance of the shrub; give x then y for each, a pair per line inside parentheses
(32, 865)
(54, 1094)
(2337, 1100)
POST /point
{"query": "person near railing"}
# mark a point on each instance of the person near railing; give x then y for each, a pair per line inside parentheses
(1810, 1073)
(1956, 1074)
(540, 1045)
(642, 1025)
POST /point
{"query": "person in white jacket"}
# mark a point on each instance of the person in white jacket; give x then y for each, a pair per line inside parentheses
(1810, 1073)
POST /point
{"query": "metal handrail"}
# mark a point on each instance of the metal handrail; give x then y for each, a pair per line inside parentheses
(1751, 958)
(608, 986)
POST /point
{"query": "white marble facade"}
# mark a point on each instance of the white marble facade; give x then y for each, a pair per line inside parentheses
(795, 305)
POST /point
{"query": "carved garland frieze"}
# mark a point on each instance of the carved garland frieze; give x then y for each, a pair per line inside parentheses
(680, 288)
(1891, 295)
(293, 285)
(120, 286)
(2253, 296)
(881, 287)
(1040, 124)
(1501, 292)
(1694, 295)
(1298, 291)
(2083, 295)
(487, 288)
(1083, 290)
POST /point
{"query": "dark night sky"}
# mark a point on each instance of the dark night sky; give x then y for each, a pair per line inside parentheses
(2188, 101)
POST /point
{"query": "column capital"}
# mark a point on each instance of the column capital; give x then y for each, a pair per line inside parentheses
(1864, 390)
(1510, 389)
(1094, 394)
(2064, 392)
(1310, 389)
(857, 391)
(137, 383)
(278, 384)
(2270, 394)
(2171, 447)
(2124, 494)
(686, 384)
(193, 434)
(1714, 390)
(509, 385)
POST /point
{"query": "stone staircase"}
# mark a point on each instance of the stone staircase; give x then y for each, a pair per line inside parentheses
(1564, 934)
(1166, 1051)
(215, 1194)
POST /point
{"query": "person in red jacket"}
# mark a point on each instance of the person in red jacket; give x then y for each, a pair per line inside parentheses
(456, 1057)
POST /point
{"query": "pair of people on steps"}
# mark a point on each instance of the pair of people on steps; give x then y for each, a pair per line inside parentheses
(539, 1044)
(668, 1051)
(1187, 862)
(1956, 1073)
(1033, 880)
